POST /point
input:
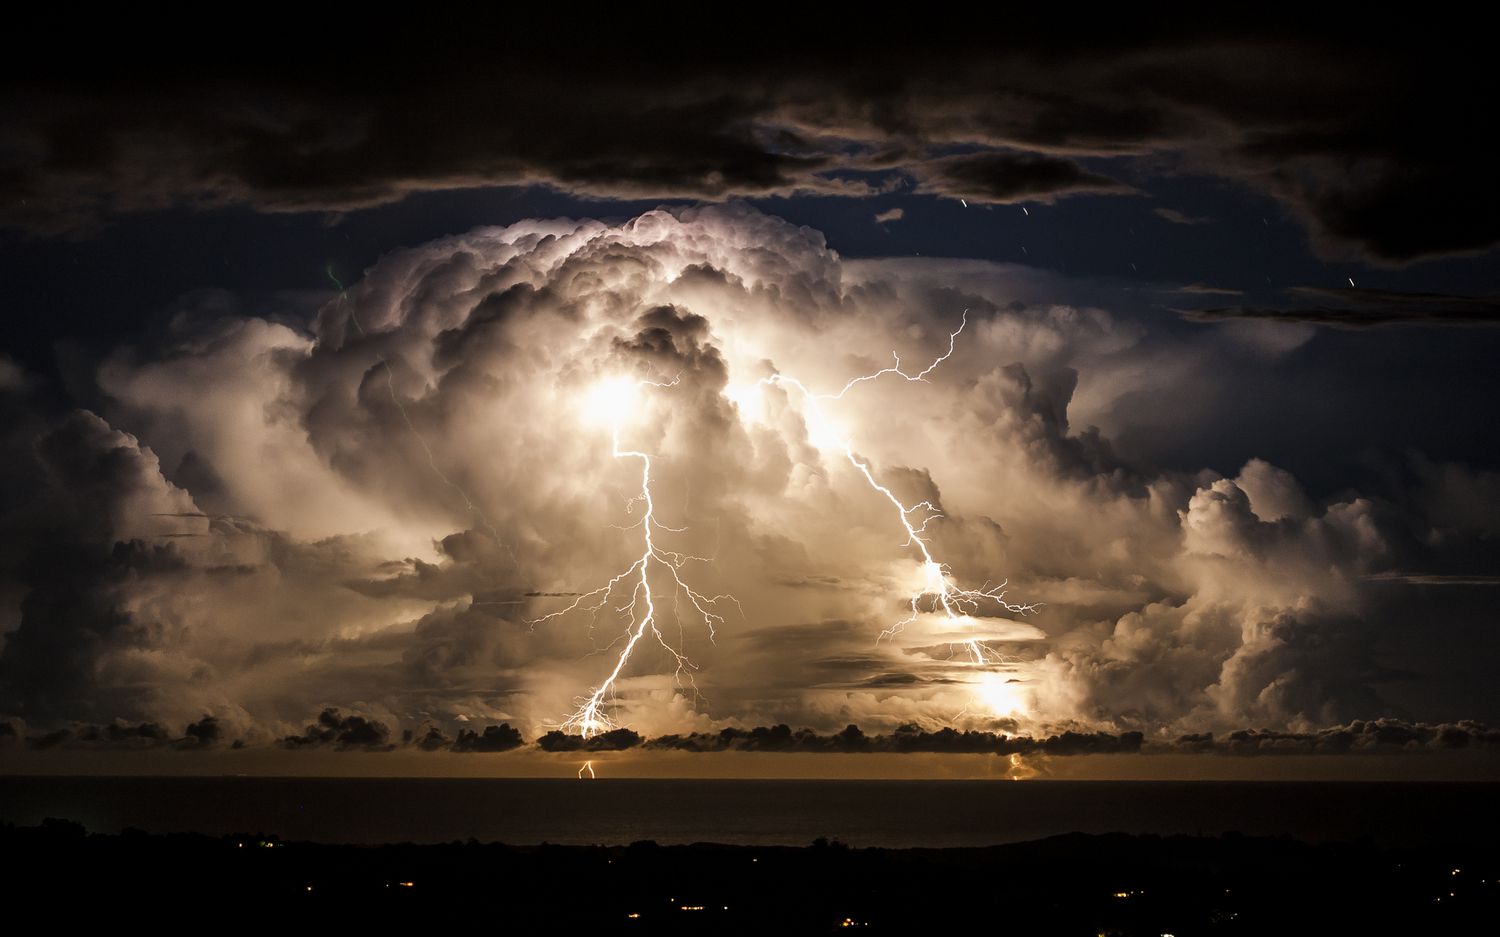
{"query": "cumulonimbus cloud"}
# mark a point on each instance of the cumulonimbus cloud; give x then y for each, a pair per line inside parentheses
(383, 503)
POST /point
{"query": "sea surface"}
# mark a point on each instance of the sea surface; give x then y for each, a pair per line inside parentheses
(760, 812)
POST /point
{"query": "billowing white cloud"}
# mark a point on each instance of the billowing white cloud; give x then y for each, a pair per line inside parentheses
(371, 514)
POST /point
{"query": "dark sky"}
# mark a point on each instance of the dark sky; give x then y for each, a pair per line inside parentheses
(1297, 231)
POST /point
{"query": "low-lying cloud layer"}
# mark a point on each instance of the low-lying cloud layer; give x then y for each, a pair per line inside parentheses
(365, 518)
(352, 733)
(1354, 308)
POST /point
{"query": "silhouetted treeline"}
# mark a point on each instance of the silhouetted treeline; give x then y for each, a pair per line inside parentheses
(346, 732)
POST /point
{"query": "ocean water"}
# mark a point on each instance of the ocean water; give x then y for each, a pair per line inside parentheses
(860, 813)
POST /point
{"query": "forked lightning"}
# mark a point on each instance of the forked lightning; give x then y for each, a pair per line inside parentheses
(615, 398)
(937, 593)
(943, 595)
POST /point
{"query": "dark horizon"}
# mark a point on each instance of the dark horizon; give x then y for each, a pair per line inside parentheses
(887, 814)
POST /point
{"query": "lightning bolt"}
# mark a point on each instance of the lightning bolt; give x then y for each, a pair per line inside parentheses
(588, 768)
(639, 606)
(938, 592)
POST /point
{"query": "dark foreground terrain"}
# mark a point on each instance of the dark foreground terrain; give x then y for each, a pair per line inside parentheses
(1074, 884)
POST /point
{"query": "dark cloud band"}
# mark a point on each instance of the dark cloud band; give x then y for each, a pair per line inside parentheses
(343, 124)
(1354, 308)
(356, 733)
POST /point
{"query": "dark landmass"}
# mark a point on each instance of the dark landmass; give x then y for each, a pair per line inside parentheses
(349, 732)
(1114, 884)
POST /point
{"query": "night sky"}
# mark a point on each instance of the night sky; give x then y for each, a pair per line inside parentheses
(305, 341)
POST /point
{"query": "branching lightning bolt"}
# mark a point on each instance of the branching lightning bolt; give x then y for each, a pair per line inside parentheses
(590, 718)
(629, 593)
(939, 593)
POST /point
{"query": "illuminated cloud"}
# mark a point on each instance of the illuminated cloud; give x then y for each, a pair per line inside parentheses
(366, 518)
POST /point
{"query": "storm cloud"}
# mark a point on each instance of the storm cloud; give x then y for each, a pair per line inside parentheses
(388, 499)
(1371, 140)
(342, 732)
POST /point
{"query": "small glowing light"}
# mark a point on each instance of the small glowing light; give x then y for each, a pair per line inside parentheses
(608, 402)
(633, 915)
(406, 884)
(822, 431)
(1000, 695)
(749, 401)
